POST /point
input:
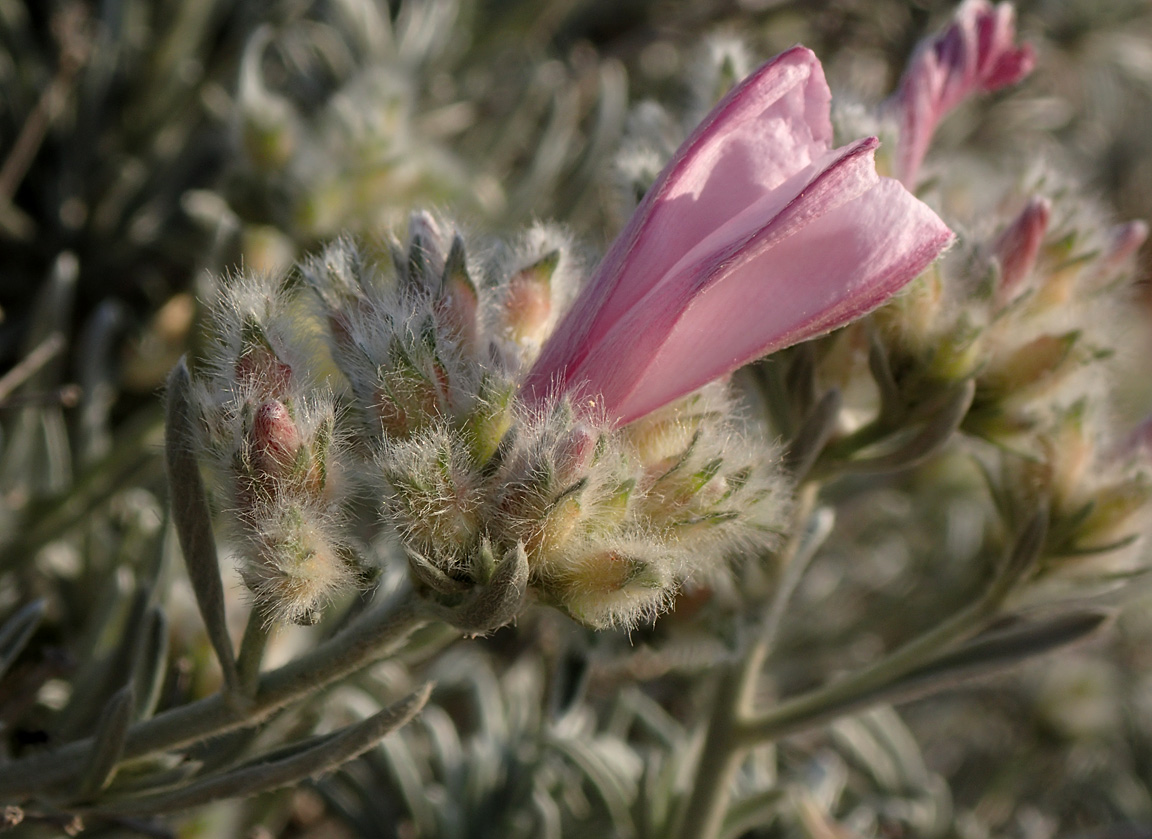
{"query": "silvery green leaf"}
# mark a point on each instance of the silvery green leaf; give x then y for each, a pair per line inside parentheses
(635, 708)
(108, 745)
(98, 343)
(800, 380)
(615, 787)
(1027, 550)
(994, 651)
(447, 752)
(929, 439)
(891, 404)
(891, 733)
(194, 520)
(395, 764)
(548, 821)
(345, 745)
(151, 662)
(815, 430)
(153, 774)
(103, 676)
(858, 743)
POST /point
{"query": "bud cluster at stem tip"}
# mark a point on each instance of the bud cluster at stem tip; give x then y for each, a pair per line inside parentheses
(401, 379)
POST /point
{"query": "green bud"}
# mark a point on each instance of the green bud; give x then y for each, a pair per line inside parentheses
(527, 309)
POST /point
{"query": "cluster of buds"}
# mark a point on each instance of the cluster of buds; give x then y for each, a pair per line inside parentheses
(1038, 335)
(1029, 314)
(529, 432)
(281, 462)
(605, 522)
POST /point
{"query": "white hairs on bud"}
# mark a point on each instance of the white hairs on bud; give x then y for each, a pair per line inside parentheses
(295, 562)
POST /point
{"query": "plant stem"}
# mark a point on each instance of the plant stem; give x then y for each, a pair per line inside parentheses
(252, 647)
(716, 767)
(854, 691)
(723, 747)
(735, 726)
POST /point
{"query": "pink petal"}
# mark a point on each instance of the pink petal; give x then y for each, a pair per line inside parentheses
(766, 130)
(843, 244)
(837, 268)
(1124, 241)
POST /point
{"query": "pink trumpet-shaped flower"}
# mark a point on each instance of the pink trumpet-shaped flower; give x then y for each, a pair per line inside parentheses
(976, 53)
(756, 236)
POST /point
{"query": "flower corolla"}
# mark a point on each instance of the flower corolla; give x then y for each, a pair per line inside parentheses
(756, 236)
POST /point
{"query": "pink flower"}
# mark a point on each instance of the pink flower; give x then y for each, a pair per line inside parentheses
(757, 235)
(976, 53)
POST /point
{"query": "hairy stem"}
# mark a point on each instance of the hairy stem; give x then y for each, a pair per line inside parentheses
(723, 748)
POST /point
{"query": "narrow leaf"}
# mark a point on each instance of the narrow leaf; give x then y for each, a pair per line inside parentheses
(814, 432)
(758, 810)
(194, 521)
(347, 744)
(999, 650)
(108, 746)
(891, 405)
(151, 660)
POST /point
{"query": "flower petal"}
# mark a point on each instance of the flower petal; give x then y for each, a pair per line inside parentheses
(736, 297)
(832, 270)
(765, 131)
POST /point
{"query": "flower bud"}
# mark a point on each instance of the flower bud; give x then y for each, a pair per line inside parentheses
(1124, 240)
(559, 525)
(575, 453)
(1040, 364)
(274, 439)
(527, 309)
(959, 353)
(408, 400)
(490, 420)
(1017, 247)
(611, 585)
(425, 262)
(435, 501)
(909, 322)
(459, 301)
(1069, 451)
(1113, 508)
(258, 367)
(295, 567)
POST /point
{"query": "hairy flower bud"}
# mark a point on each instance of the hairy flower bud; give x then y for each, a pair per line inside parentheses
(1017, 247)
(611, 585)
(275, 440)
(527, 307)
(295, 566)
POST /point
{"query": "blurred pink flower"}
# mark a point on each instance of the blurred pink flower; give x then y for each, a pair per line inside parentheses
(976, 53)
(757, 235)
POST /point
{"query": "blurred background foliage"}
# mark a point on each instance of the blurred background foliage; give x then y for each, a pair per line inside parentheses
(147, 147)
